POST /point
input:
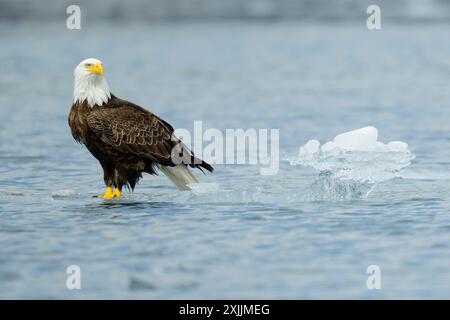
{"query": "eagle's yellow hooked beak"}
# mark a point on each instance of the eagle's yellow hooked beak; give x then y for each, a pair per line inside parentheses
(96, 68)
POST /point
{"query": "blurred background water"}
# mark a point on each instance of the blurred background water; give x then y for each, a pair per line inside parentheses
(309, 68)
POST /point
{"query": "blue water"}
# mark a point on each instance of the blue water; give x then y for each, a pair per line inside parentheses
(252, 236)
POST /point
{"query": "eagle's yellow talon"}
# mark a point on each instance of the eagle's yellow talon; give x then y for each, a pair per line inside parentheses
(109, 194)
(117, 193)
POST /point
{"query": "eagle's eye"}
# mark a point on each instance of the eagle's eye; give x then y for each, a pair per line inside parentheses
(88, 65)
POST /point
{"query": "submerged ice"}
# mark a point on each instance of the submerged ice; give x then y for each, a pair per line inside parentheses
(353, 162)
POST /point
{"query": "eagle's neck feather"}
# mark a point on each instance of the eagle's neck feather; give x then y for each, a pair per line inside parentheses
(91, 88)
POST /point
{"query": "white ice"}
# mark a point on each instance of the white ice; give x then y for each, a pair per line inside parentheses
(356, 155)
(364, 139)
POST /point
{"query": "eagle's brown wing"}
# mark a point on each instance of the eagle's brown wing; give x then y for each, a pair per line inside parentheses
(132, 129)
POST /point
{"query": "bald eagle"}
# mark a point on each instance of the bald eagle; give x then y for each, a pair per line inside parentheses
(125, 138)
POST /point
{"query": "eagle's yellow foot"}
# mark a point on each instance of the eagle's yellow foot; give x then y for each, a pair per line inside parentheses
(109, 194)
(117, 193)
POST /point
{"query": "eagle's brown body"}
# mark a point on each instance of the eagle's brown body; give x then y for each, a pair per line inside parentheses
(127, 140)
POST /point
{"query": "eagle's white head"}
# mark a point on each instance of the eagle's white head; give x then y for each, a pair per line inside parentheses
(90, 84)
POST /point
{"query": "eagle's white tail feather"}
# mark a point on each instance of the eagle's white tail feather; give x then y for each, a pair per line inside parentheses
(179, 175)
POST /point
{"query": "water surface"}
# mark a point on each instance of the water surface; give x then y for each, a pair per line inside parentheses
(252, 236)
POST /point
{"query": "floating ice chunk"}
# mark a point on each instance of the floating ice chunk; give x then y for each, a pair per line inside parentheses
(381, 147)
(310, 148)
(356, 155)
(364, 139)
(330, 145)
(397, 146)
